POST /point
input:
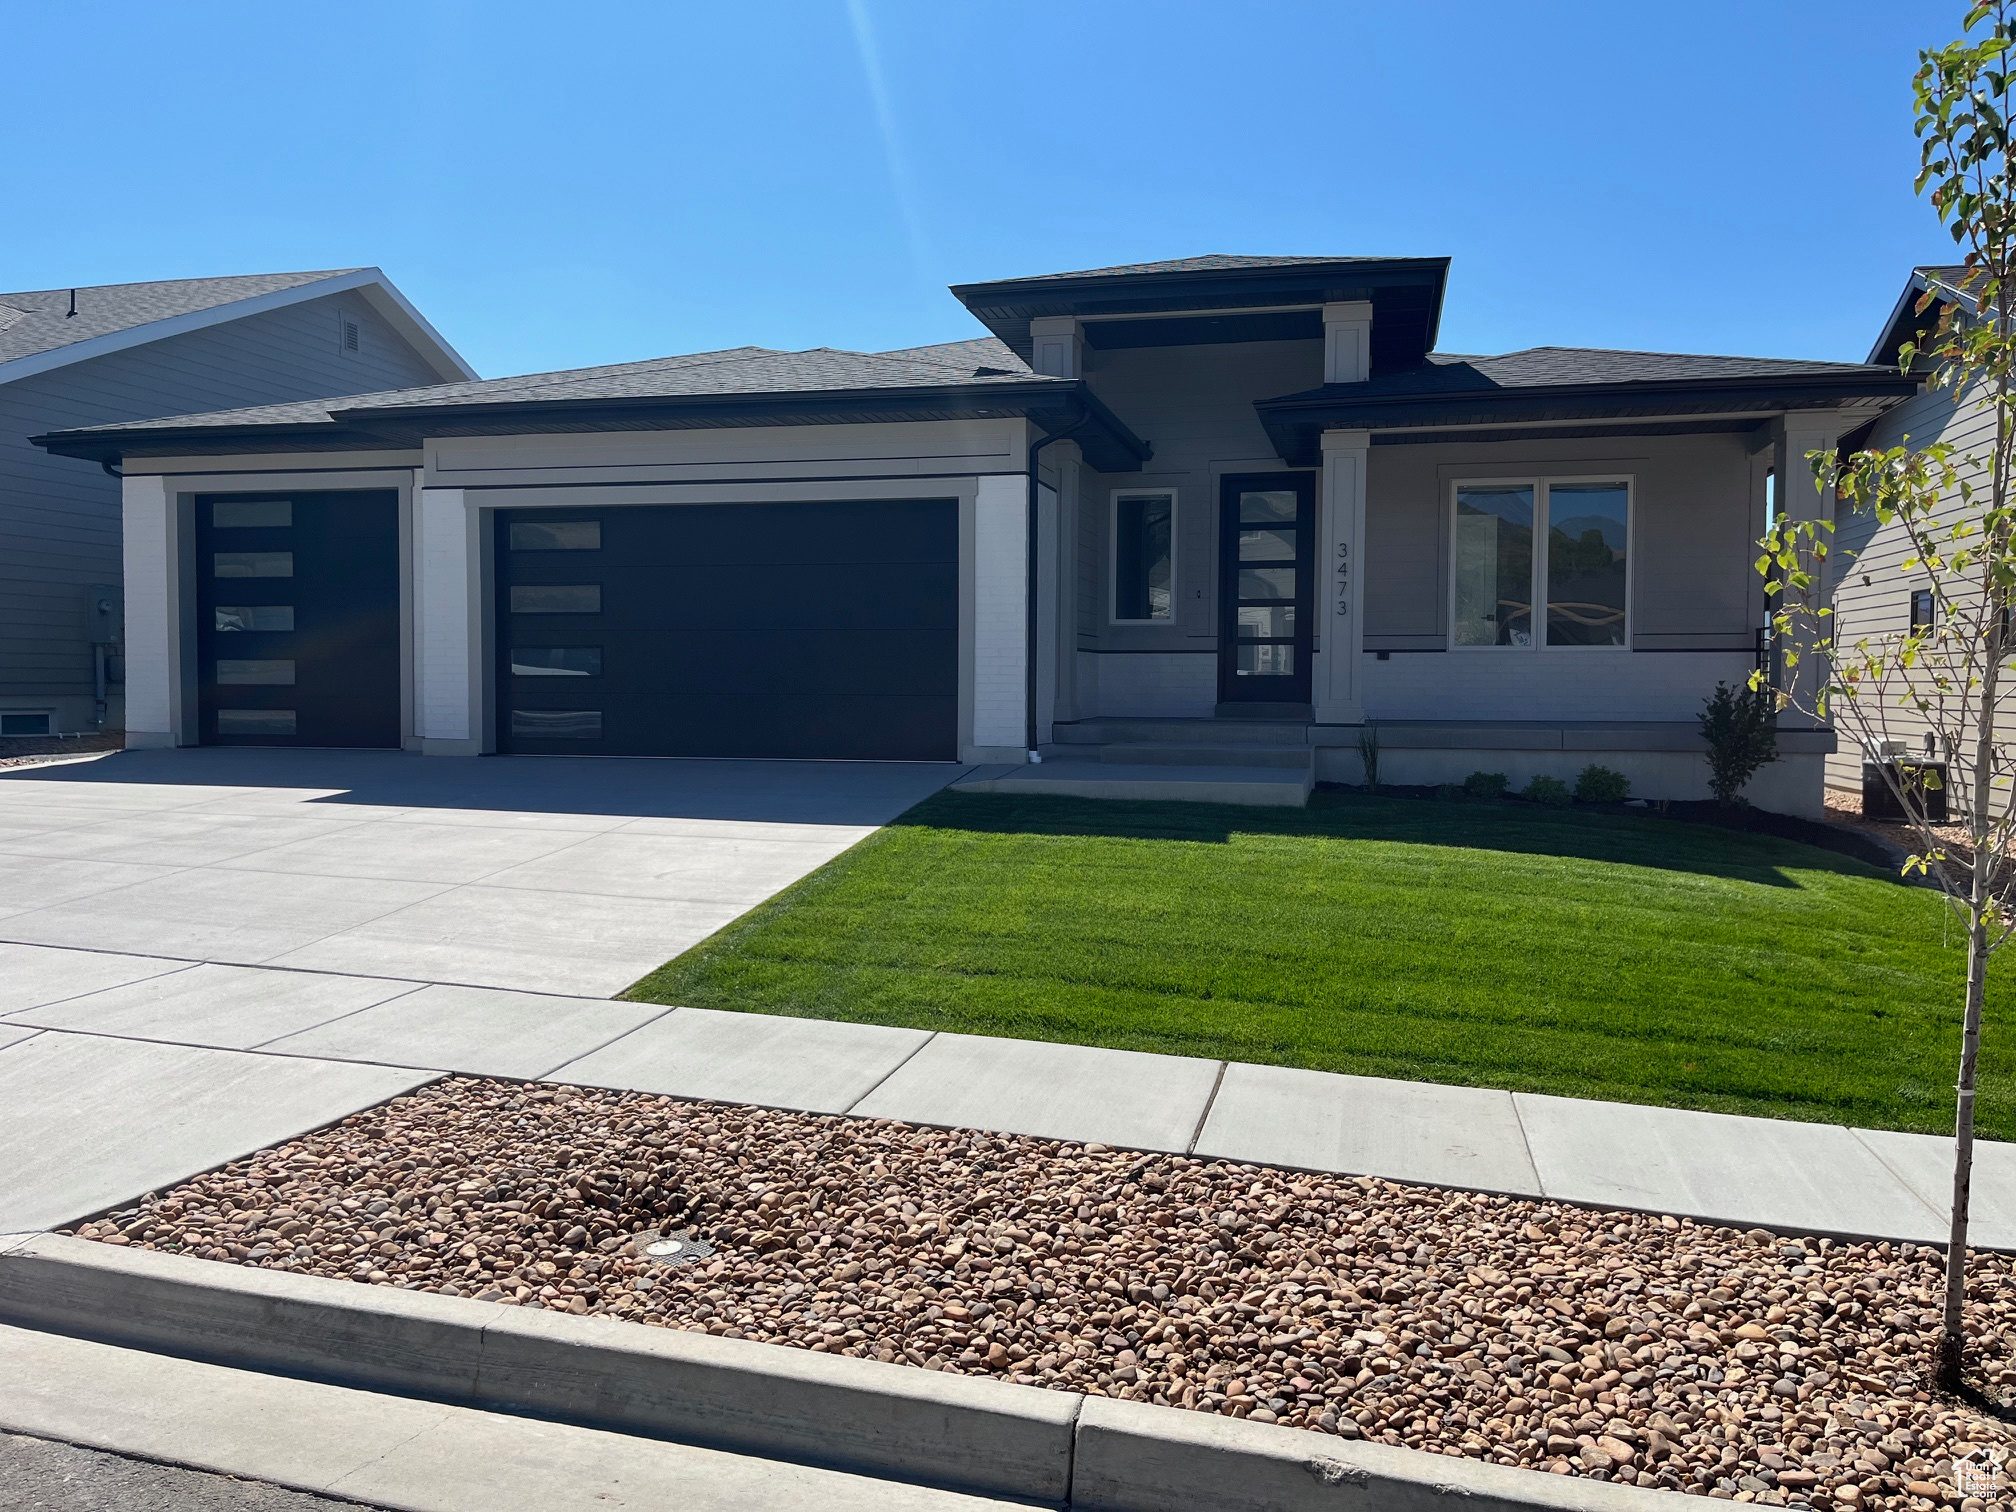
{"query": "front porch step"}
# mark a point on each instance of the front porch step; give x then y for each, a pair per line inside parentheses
(1259, 786)
(1145, 753)
(1108, 730)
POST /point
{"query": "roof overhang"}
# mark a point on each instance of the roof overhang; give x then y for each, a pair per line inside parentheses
(1050, 404)
(370, 284)
(1908, 323)
(1295, 423)
(1225, 304)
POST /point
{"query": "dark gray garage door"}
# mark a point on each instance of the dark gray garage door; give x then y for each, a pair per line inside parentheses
(799, 630)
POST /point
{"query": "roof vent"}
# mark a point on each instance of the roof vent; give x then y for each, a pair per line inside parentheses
(350, 334)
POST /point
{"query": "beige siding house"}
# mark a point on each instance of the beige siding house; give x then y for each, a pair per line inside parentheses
(1219, 512)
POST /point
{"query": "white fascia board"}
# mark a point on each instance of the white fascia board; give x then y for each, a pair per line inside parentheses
(370, 282)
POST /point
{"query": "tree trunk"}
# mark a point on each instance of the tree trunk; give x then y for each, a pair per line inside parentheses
(1952, 1337)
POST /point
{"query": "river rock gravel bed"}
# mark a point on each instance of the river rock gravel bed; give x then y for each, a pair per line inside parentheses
(1656, 1351)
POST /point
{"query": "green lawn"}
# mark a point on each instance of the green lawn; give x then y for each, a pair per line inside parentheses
(1496, 945)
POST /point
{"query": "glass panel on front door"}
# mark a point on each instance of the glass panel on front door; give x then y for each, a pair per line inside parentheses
(1266, 553)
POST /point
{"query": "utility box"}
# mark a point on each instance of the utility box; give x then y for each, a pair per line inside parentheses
(1879, 799)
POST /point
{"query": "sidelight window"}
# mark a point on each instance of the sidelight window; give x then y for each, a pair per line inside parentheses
(1144, 556)
(1540, 562)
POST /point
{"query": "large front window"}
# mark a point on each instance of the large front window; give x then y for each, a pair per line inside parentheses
(1578, 582)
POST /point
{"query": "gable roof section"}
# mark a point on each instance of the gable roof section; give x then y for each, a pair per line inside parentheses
(38, 332)
(1195, 300)
(738, 386)
(1558, 384)
(1947, 284)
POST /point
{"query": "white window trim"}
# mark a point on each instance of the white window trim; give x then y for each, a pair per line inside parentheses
(1542, 484)
(1113, 552)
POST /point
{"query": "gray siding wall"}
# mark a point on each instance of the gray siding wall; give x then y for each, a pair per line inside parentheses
(1194, 405)
(1696, 516)
(1872, 592)
(59, 518)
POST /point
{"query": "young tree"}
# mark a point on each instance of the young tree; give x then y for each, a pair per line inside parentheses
(1954, 510)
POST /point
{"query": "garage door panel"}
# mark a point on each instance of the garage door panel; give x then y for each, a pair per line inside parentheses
(840, 596)
(769, 535)
(791, 630)
(855, 662)
(854, 728)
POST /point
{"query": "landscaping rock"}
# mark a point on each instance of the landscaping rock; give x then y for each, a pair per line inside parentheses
(1642, 1349)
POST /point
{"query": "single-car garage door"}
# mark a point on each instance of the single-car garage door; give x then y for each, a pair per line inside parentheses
(794, 630)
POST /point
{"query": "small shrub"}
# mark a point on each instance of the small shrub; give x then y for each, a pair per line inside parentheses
(1740, 726)
(1486, 784)
(1595, 784)
(1368, 752)
(1550, 792)
(1451, 792)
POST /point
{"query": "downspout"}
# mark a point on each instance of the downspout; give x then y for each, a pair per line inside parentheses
(1029, 590)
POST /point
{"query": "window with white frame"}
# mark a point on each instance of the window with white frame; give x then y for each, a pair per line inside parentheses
(1144, 557)
(1540, 562)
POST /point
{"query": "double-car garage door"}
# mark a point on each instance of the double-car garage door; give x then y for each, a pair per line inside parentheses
(789, 630)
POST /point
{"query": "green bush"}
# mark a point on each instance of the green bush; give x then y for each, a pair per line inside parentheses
(1597, 784)
(1486, 784)
(1740, 726)
(1549, 792)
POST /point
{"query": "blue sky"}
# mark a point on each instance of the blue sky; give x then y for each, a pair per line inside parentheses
(557, 186)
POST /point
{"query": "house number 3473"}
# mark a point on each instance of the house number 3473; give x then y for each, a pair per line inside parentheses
(1343, 577)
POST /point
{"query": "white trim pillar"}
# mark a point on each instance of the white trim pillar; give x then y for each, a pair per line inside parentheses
(1340, 625)
(1000, 619)
(1347, 341)
(1058, 346)
(154, 651)
(1800, 497)
(444, 713)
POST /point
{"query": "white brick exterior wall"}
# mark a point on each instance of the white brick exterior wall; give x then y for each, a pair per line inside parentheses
(1000, 615)
(152, 633)
(441, 644)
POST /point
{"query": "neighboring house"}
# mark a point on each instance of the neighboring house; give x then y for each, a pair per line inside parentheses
(1267, 514)
(1873, 595)
(124, 352)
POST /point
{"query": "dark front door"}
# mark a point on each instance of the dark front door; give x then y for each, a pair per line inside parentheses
(297, 630)
(1266, 555)
(796, 630)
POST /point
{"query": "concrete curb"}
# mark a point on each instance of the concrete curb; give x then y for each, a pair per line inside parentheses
(959, 1432)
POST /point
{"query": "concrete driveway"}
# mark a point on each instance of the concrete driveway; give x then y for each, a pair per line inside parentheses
(543, 874)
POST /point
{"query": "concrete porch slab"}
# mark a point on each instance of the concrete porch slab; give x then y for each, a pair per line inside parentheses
(86, 1123)
(474, 1029)
(1405, 1131)
(34, 975)
(226, 1007)
(1117, 1097)
(1815, 1178)
(810, 1064)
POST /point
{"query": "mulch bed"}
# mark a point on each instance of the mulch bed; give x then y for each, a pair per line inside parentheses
(1644, 1349)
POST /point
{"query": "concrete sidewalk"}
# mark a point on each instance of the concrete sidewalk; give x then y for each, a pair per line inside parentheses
(121, 1073)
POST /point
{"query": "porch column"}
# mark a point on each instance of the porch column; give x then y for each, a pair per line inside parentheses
(1058, 348)
(1801, 498)
(444, 562)
(1000, 620)
(1340, 570)
(154, 649)
(1347, 341)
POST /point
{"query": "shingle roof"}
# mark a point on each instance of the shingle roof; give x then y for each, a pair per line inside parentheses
(733, 372)
(39, 320)
(1209, 263)
(980, 354)
(1540, 367)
